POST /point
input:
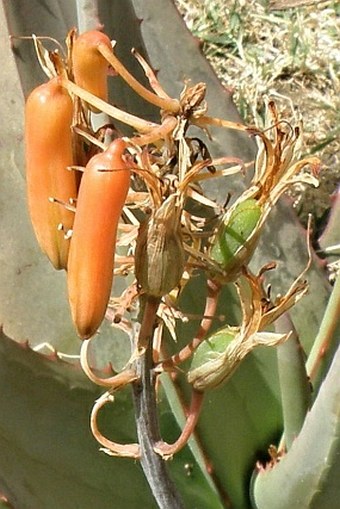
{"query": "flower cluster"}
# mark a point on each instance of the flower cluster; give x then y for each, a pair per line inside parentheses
(138, 192)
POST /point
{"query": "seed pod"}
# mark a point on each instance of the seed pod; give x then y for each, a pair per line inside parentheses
(159, 256)
(102, 194)
(48, 151)
(231, 248)
(90, 68)
(209, 366)
(217, 359)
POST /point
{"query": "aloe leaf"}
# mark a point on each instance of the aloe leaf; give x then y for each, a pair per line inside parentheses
(48, 456)
(330, 238)
(50, 459)
(294, 383)
(327, 339)
(307, 476)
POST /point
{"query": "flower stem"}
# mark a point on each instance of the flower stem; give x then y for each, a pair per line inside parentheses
(155, 469)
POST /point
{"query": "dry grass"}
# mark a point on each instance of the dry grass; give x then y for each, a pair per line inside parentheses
(292, 56)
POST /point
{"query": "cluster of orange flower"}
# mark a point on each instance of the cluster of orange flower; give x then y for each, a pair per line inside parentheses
(80, 182)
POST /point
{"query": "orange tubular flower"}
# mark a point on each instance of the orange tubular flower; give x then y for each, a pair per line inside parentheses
(102, 194)
(48, 140)
(90, 68)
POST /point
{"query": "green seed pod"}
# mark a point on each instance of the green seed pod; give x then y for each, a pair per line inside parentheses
(159, 256)
(208, 368)
(217, 359)
(231, 249)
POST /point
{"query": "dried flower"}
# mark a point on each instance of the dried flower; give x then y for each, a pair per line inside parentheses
(219, 356)
(159, 256)
(276, 169)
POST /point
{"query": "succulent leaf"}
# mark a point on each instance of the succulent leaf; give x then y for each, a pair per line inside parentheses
(308, 473)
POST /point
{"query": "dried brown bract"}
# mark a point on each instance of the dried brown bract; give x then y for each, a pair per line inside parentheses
(159, 255)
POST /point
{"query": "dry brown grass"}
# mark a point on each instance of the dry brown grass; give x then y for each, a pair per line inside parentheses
(292, 56)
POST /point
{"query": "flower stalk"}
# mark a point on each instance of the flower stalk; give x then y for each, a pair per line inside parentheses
(143, 194)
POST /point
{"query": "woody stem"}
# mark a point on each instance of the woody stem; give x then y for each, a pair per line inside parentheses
(155, 469)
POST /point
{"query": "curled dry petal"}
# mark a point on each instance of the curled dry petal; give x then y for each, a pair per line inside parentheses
(109, 447)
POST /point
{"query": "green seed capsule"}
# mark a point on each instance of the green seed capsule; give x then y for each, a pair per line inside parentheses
(212, 347)
(209, 367)
(230, 249)
(217, 359)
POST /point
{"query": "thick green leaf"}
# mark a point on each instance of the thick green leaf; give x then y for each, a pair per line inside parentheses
(49, 458)
(295, 387)
(326, 341)
(330, 238)
(308, 475)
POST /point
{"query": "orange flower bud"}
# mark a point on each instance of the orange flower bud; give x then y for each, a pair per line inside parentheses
(48, 140)
(102, 194)
(89, 66)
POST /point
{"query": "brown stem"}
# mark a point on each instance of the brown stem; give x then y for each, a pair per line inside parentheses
(165, 450)
(144, 394)
(208, 316)
(148, 323)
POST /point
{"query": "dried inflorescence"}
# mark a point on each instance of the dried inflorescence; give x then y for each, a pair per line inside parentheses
(166, 243)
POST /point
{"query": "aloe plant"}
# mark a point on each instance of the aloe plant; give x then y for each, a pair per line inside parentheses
(49, 457)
